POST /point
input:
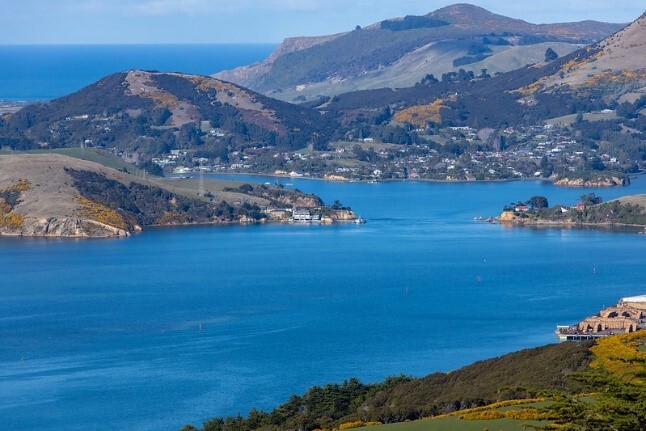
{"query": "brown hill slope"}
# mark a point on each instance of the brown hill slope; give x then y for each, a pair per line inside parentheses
(49, 204)
(617, 62)
(60, 196)
(151, 113)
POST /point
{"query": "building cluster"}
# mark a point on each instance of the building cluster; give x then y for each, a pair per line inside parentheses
(447, 154)
(629, 315)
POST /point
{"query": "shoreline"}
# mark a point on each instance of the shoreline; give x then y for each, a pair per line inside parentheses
(420, 180)
(231, 223)
(564, 225)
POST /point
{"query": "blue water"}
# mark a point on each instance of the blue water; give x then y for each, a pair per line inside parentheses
(38, 72)
(106, 335)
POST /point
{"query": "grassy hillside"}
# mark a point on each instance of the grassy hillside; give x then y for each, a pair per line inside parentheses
(524, 374)
(571, 386)
(149, 113)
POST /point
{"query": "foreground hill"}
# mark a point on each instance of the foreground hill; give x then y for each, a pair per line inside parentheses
(522, 374)
(401, 51)
(60, 196)
(569, 386)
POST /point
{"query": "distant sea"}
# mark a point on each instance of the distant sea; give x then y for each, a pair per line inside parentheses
(39, 72)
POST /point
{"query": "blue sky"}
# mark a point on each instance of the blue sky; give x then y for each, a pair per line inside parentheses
(242, 21)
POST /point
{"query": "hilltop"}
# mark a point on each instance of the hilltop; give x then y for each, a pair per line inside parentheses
(399, 52)
(151, 112)
(616, 62)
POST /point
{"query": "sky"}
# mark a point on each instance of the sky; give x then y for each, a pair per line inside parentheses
(253, 21)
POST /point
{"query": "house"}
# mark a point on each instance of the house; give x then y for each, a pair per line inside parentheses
(579, 206)
(521, 208)
(304, 215)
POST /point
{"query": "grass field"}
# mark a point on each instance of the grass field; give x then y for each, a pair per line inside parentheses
(95, 155)
(567, 120)
(453, 421)
(634, 199)
(456, 424)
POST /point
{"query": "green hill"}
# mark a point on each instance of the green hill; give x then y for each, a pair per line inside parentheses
(574, 386)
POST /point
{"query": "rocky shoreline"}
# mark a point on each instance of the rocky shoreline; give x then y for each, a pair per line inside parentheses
(612, 181)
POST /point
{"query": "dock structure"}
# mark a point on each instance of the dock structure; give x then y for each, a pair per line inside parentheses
(629, 315)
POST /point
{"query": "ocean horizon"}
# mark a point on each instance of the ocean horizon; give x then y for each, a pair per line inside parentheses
(44, 72)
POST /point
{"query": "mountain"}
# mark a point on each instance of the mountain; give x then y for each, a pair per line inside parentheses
(399, 52)
(150, 113)
(463, 126)
(599, 76)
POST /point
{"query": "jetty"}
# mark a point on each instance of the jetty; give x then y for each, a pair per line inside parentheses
(628, 315)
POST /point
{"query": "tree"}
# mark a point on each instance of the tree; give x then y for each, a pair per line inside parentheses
(595, 164)
(550, 55)
(538, 202)
(590, 199)
(546, 167)
(152, 168)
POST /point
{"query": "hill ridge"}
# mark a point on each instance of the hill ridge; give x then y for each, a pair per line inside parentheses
(455, 36)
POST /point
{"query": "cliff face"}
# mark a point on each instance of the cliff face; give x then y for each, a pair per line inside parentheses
(64, 228)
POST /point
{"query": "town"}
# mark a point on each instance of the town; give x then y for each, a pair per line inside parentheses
(544, 151)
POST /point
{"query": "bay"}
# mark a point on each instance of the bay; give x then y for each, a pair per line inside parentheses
(41, 72)
(177, 325)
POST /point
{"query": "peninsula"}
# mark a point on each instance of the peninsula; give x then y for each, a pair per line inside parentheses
(628, 211)
(54, 195)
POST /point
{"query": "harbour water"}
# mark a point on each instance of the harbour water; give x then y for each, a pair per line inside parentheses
(177, 325)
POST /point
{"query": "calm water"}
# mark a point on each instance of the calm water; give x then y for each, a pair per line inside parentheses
(37, 72)
(177, 325)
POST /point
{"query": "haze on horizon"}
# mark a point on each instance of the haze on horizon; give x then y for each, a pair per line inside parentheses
(252, 21)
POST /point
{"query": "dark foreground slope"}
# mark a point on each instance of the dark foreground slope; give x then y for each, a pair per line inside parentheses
(522, 374)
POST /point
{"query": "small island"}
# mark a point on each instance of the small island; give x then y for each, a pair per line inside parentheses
(628, 211)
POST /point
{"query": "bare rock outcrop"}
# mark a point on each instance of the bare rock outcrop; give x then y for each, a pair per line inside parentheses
(612, 181)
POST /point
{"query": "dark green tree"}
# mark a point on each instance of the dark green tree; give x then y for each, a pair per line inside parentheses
(550, 55)
(538, 202)
(590, 199)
